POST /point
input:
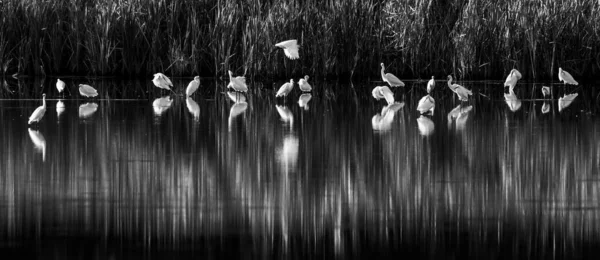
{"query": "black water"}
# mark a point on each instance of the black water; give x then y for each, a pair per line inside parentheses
(114, 177)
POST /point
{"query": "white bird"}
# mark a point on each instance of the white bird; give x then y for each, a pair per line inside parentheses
(193, 107)
(546, 107)
(236, 96)
(512, 101)
(60, 85)
(285, 114)
(60, 108)
(545, 91)
(88, 109)
(39, 112)
(512, 78)
(162, 81)
(566, 101)
(303, 84)
(38, 141)
(290, 48)
(425, 125)
(285, 89)
(160, 105)
(303, 101)
(380, 92)
(462, 93)
(237, 109)
(430, 85)
(566, 77)
(87, 90)
(237, 83)
(426, 104)
(193, 86)
(390, 78)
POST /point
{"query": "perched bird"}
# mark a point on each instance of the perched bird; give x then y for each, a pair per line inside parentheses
(426, 104)
(303, 84)
(193, 86)
(390, 78)
(162, 81)
(566, 101)
(430, 85)
(290, 48)
(285, 89)
(87, 90)
(237, 83)
(512, 78)
(565, 77)
(39, 112)
(462, 93)
(380, 92)
(545, 91)
(60, 85)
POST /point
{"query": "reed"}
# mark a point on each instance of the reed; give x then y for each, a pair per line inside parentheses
(417, 38)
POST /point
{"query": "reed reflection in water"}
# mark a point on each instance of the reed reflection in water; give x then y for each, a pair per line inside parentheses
(251, 175)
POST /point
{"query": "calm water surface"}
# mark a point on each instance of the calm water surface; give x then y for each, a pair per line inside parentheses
(343, 176)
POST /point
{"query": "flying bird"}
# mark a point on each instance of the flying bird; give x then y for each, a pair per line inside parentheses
(303, 84)
(462, 93)
(39, 112)
(87, 90)
(290, 48)
(193, 86)
(390, 78)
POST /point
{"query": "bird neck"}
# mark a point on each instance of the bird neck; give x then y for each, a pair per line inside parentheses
(450, 82)
(44, 102)
(382, 72)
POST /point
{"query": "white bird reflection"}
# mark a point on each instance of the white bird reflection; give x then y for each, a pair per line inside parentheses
(193, 107)
(460, 114)
(303, 101)
(237, 109)
(513, 102)
(38, 141)
(288, 153)
(546, 107)
(161, 105)
(285, 114)
(426, 104)
(60, 108)
(383, 121)
(88, 109)
(566, 101)
(236, 96)
(426, 125)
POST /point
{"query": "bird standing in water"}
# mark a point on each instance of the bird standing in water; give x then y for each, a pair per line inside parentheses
(430, 85)
(237, 83)
(162, 81)
(390, 78)
(285, 89)
(462, 93)
(60, 85)
(39, 112)
(303, 84)
(193, 86)
(380, 92)
(512, 78)
(566, 77)
(87, 90)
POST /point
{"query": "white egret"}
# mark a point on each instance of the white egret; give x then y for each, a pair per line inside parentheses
(38, 141)
(290, 48)
(426, 104)
(512, 78)
(566, 101)
(193, 107)
(88, 109)
(285, 89)
(546, 107)
(430, 85)
(425, 125)
(193, 86)
(60, 108)
(303, 100)
(162, 81)
(39, 112)
(237, 83)
(380, 92)
(390, 78)
(566, 77)
(87, 90)
(285, 114)
(303, 84)
(513, 102)
(545, 91)
(160, 105)
(60, 85)
(235, 110)
(462, 93)
(236, 97)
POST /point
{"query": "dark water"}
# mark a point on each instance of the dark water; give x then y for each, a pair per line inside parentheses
(267, 178)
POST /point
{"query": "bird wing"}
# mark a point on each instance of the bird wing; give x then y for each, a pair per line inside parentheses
(377, 93)
(292, 53)
(283, 90)
(517, 74)
(166, 79)
(393, 80)
(192, 87)
(37, 114)
(287, 44)
(430, 85)
(567, 78)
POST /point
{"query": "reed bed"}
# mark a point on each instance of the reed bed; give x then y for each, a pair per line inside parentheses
(339, 38)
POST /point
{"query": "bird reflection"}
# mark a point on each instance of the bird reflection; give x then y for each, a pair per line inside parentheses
(383, 121)
(60, 108)
(193, 107)
(426, 125)
(303, 101)
(566, 101)
(88, 109)
(161, 105)
(285, 114)
(288, 153)
(38, 141)
(236, 96)
(237, 109)
(512, 101)
(546, 107)
(460, 114)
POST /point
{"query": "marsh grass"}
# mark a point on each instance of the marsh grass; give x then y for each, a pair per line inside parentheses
(417, 38)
